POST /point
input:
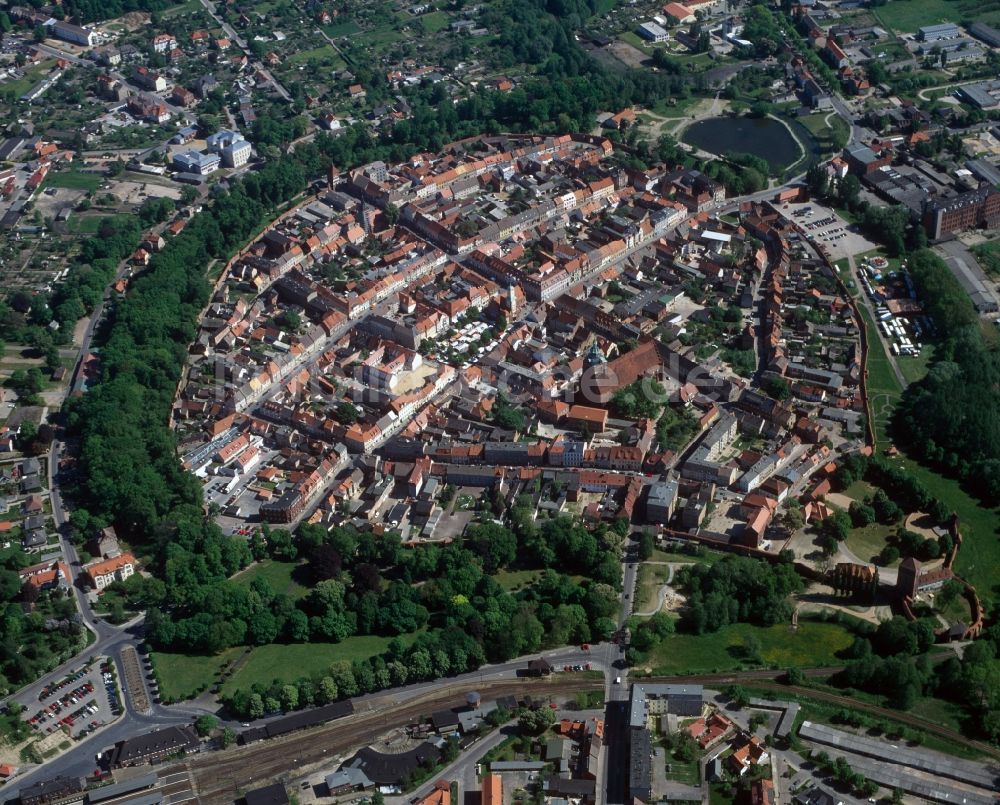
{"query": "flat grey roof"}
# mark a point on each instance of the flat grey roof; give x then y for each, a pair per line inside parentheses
(641, 692)
(965, 771)
(122, 788)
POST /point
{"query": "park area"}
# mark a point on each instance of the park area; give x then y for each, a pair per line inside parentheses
(184, 676)
(284, 577)
(811, 644)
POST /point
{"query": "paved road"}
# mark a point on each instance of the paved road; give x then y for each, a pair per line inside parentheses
(239, 40)
(856, 132)
(462, 770)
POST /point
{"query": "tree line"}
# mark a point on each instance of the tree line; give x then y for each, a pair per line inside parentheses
(951, 418)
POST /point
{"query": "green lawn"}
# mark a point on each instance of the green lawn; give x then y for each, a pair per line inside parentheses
(829, 130)
(866, 543)
(676, 107)
(378, 37)
(814, 643)
(287, 663)
(957, 610)
(435, 21)
(859, 490)
(884, 390)
(709, 557)
(512, 580)
(636, 41)
(684, 772)
(183, 675)
(87, 224)
(346, 28)
(74, 180)
(325, 54)
(32, 75)
(516, 579)
(915, 367)
(186, 7)
(278, 574)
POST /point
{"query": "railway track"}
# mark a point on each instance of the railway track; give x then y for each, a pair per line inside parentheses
(768, 681)
(895, 715)
(220, 777)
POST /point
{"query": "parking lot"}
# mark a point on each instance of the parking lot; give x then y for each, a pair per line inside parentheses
(828, 231)
(79, 703)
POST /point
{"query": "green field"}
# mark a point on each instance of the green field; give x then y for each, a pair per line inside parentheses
(182, 675)
(187, 7)
(709, 557)
(324, 55)
(684, 772)
(89, 223)
(636, 41)
(859, 490)
(435, 21)
(346, 28)
(286, 663)
(906, 16)
(378, 37)
(74, 180)
(280, 575)
(813, 644)
(914, 368)
(516, 579)
(868, 542)
(979, 556)
(829, 130)
(676, 107)
(884, 390)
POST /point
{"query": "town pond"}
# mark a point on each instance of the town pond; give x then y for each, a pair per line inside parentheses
(763, 137)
